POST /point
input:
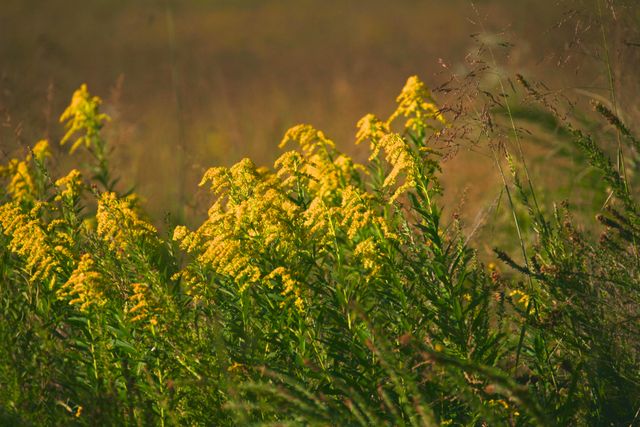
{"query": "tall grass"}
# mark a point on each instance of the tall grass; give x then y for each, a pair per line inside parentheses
(320, 291)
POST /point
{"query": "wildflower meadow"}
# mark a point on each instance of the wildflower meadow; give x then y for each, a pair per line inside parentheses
(321, 290)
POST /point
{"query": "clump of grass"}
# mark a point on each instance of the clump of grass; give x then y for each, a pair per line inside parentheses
(319, 291)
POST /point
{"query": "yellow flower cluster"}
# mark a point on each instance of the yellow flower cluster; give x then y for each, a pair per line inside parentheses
(310, 139)
(118, 222)
(61, 240)
(289, 284)
(70, 186)
(315, 197)
(319, 166)
(373, 129)
(20, 173)
(402, 162)
(357, 214)
(369, 254)
(250, 214)
(255, 212)
(139, 301)
(83, 286)
(83, 116)
(416, 103)
(29, 241)
(41, 150)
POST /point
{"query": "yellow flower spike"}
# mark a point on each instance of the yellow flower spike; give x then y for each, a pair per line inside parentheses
(416, 103)
(180, 232)
(83, 116)
(357, 214)
(140, 308)
(21, 186)
(373, 129)
(41, 150)
(368, 252)
(317, 219)
(289, 166)
(215, 176)
(289, 284)
(22, 174)
(402, 162)
(370, 127)
(83, 286)
(309, 138)
(118, 223)
(29, 241)
(71, 186)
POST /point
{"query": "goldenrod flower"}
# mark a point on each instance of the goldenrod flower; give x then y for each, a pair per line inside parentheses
(22, 173)
(29, 241)
(83, 287)
(140, 309)
(119, 224)
(309, 139)
(373, 129)
(315, 196)
(358, 214)
(70, 185)
(41, 150)
(369, 254)
(83, 116)
(289, 284)
(416, 103)
(402, 162)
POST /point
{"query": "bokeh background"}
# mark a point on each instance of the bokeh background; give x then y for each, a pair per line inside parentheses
(195, 83)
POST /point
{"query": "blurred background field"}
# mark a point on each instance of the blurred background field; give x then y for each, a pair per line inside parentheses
(193, 83)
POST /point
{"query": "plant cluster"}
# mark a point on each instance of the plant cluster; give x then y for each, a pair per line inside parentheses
(320, 291)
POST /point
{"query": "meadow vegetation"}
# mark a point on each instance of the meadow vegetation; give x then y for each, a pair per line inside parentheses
(322, 290)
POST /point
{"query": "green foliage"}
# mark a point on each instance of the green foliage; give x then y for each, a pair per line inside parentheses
(317, 292)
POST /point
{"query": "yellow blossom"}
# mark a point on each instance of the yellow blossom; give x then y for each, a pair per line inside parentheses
(22, 173)
(402, 162)
(29, 241)
(373, 129)
(83, 116)
(41, 150)
(289, 284)
(83, 287)
(416, 103)
(70, 185)
(118, 222)
(369, 254)
(309, 138)
(357, 214)
(139, 308)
